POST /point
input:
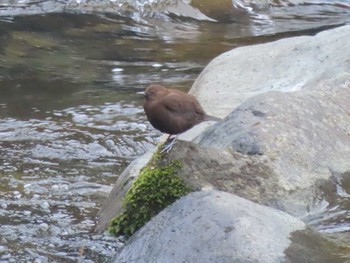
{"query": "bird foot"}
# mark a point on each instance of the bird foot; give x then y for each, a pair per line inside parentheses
(168, 145)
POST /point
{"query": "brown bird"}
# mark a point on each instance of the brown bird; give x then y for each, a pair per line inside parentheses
(172, 111)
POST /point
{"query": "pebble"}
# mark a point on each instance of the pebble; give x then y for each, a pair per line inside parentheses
(43, 227)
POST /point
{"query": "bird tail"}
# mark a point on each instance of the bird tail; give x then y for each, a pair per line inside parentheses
(211, 118)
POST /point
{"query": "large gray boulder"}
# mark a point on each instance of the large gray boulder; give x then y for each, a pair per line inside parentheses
(217, 227)
(285, 65)
(304, 134)
(286, 135)
(277, 149)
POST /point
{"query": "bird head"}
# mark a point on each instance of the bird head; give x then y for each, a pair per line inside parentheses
(155, 92)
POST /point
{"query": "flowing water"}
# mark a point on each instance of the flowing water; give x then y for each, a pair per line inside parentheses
(70, 118)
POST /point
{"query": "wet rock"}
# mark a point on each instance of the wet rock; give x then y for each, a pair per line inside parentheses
(221, 10)
(214, 226)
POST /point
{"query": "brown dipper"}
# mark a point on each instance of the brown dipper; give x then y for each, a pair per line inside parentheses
(172, 111)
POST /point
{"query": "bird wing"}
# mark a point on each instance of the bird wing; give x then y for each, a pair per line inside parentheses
(184, 106)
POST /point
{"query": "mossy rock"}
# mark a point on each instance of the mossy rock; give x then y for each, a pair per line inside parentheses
(156, 187)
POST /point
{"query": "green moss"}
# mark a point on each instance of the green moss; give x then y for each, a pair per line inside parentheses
(156, 187)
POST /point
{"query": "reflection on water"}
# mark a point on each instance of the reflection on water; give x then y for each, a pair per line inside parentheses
(70, 119)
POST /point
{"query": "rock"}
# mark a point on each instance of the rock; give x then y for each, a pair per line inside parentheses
(214, 226)
(250, 177)
(281, 148)
(285, 65)
(295, 131)
(288, 119)
(284, 143)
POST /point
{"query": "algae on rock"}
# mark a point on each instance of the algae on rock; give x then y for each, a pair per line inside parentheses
(156, 187)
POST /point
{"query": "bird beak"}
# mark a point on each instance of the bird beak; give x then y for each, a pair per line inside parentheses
(141, 93)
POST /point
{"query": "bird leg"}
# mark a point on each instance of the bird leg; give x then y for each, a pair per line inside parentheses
(167, 146)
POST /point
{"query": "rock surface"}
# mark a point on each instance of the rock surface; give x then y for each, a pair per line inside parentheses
(213, 226)
(305, 134)
(278, 149)
(286, 65)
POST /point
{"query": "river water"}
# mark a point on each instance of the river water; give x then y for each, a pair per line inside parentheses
(70, 118)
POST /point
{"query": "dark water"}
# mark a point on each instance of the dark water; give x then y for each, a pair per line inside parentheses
(70, 118)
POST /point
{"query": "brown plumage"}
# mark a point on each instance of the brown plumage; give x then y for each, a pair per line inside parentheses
(172, 111)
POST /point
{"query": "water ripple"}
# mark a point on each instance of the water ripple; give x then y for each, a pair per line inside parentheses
(55, 171)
